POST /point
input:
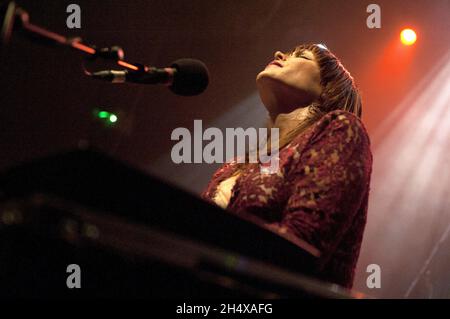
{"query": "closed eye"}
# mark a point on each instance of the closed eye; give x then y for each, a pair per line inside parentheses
(299, 55)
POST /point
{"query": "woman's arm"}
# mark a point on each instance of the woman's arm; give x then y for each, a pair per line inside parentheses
(329, 182)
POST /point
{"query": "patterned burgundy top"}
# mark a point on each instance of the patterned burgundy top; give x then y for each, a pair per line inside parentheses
(320, 193)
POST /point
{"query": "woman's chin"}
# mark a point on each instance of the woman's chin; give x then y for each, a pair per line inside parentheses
(260, 76)
(266, 79)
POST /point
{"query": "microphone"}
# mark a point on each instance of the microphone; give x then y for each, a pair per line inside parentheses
(185, 77)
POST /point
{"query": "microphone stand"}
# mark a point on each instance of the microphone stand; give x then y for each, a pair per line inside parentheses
(185, 77)
(115, 53)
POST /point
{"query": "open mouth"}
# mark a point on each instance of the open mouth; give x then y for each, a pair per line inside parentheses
(275, 64)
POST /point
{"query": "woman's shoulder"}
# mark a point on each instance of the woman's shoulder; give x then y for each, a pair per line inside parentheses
(336, 137)
(341, 119)
(336, 120)
(340, 116)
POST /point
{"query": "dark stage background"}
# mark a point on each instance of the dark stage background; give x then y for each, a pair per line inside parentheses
(47, 102)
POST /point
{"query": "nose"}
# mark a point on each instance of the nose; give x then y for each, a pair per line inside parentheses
(280, 55)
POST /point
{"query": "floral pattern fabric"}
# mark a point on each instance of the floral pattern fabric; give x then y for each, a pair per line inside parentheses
(320, 193)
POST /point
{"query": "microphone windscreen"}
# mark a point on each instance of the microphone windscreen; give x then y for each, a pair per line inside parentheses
(191, 77)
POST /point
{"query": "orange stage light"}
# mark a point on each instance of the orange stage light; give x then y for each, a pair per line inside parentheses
(408, 36)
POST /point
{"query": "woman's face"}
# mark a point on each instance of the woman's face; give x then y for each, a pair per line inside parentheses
(289, 82)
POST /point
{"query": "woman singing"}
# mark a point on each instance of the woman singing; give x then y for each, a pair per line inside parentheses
(320, 192)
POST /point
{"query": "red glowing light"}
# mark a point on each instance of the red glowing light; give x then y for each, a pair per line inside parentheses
(127, 65)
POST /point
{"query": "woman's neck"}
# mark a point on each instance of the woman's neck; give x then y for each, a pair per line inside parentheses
(286, 122)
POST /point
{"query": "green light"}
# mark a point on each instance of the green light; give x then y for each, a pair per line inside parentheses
(108, 119)
(103, 114)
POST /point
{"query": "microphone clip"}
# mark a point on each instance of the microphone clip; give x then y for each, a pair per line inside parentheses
(114, 53)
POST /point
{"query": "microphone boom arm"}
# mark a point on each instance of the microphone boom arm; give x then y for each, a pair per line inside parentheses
(185, 76)
(49, 37)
